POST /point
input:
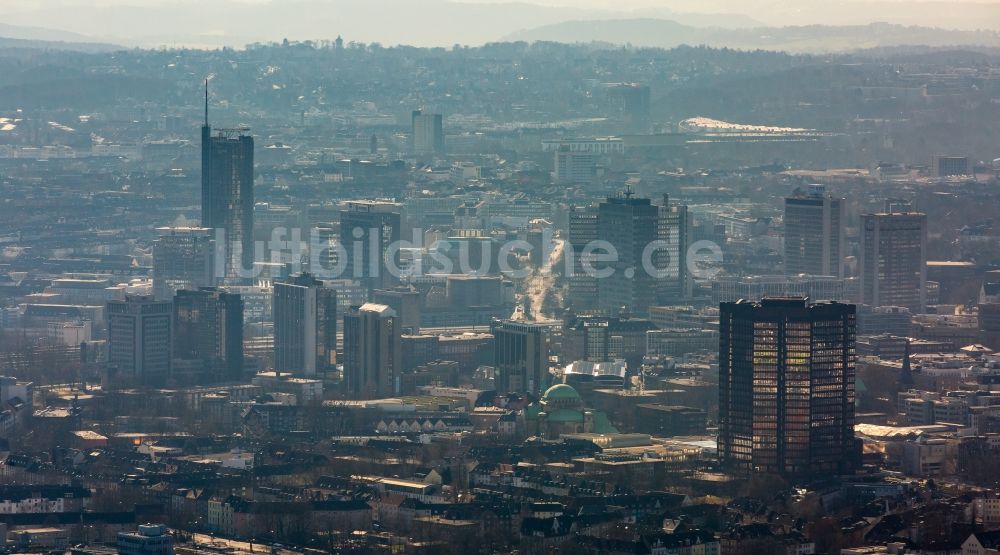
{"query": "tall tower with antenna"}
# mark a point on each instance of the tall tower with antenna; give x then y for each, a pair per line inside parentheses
(227, 197)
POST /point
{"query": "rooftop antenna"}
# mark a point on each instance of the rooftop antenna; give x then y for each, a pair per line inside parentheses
(206, 102)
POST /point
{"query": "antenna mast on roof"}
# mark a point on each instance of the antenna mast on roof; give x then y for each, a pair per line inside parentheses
(206, 102)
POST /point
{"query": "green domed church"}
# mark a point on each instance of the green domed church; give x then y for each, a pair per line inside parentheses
(561, 411)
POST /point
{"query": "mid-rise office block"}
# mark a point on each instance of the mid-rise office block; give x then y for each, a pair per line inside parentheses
(673, 231)
(305, 326)
(183, 258)
(582, 232)
(814, 234)
(574, 167)
(367, 230)
(894, 260)
(427, 132)
(520, 357)
(629, 224)
(140, 341)
(209, 328)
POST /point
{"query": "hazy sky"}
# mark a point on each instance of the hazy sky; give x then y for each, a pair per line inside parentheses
(440, 22)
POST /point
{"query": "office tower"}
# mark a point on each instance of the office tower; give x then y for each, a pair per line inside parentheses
(574, 167)
(305, 326)
(227, 190)
(520, 357)
(582, 232)
(428, 133)
(367, 230)
(372, 346)
(630, 225)
(183, 258)
(989, 310)
(814, 233)
(208, 328)
(786, 386)
(673, 230)
(140, 340)
(893, 260)
(631, 102)
(405, 302)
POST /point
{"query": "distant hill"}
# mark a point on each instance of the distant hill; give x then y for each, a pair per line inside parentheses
(806, 39)
(17, 36)
(6, 42)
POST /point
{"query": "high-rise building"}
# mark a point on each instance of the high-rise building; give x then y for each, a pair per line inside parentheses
(140, 340)
(227, 190)
(629, 224)
(428, 132)
(574, 167)
(405, 302)
(989, 310)
(520, 356)
(367, 230)
(372, 347)
(893, 260)
(814, 234)
(183, 258)
(631, 102)
(582, 232)
(674, 232)
(305, 326)
(786, 386)
(208, 327)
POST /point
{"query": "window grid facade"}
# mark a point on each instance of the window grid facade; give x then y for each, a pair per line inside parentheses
(786, 395)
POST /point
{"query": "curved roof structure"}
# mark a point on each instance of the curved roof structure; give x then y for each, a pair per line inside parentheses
(560, 391)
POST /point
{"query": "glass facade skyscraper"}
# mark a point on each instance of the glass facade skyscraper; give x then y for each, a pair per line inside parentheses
(786, 386)
(227, 190)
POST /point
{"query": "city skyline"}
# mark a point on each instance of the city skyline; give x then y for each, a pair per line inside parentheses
(533, 296)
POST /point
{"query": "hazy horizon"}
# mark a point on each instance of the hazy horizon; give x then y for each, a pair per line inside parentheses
(235, 23)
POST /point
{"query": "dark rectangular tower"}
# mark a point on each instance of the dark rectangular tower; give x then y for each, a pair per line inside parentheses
(630, 224)
(209, 328)
(367, 230)
(521, 356)
(227, 190)
(786, 387)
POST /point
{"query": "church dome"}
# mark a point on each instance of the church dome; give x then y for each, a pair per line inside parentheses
(562, 392)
